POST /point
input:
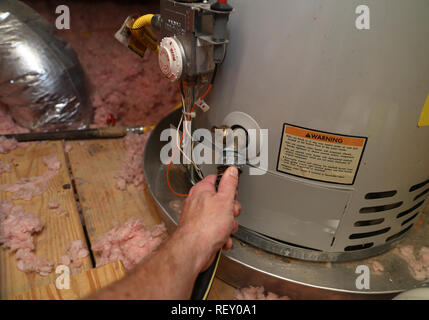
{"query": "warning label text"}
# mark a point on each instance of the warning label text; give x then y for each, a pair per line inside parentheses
(320, 156)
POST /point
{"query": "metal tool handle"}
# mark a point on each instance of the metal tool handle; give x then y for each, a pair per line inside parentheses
(100, 133)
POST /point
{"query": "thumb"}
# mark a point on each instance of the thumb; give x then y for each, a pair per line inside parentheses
(229, 182)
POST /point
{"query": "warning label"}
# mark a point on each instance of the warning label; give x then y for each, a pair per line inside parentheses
(320, 155)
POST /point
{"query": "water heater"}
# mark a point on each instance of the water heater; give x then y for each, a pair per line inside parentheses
(348, 170)
(341, 90)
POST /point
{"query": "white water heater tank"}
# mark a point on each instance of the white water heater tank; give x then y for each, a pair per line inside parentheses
(348, 169)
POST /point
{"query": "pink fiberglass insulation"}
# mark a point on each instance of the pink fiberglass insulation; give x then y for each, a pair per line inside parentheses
(4, 167)
(7, 124)
(16, 227)
(77, 250)
(7, 145)
(16, 234)
(377, 266)
(418, 265)
(53, 163)
(130, 243)
(53, 204)
(176, 205)
(256, 293)
(29, 262)
(122, 84)
(132, 165)
(74, 253)
(138, 94)
(27, 188)
(67, 147)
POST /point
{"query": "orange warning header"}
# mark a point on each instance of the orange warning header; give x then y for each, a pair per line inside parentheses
(324, 137)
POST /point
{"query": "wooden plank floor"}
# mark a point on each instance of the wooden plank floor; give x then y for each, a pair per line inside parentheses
(81, 284)
(59, 231)
(93, 163)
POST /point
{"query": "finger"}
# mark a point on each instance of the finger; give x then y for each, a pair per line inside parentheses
(210, 179)
(191, 192)
(207, 184)
(235, 228)
(237, 208)
(228, 184)
(228, 244)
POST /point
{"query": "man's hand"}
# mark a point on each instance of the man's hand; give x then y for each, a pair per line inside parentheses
(208, 215)
(206, 222)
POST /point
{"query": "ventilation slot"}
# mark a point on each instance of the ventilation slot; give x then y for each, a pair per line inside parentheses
(409, 219)
(359, 247)
(380, 208)
(418, 186)
(380, 195)
(368, 234)
(366, 223)
(395, 236)
(404, 213)
(421, 194)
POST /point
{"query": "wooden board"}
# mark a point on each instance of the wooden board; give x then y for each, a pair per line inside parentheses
(94, 164)
(59, 231)
(81, 285)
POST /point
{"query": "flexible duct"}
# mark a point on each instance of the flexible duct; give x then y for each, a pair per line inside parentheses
(41, 80)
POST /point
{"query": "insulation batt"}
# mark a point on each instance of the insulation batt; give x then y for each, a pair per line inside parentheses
(377, 266)
(74, 253)
(176, 205)
(4, 167)
(60, 210)
(7, 124)
(130, 243)
(27, 188)
(123, 84)
(7, 145)
(67, 147)
(256, 293)
(132, 165)
(16, 234)
(53, 204)
(418, 266)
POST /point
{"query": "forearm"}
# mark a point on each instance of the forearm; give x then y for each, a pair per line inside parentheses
(169, 274)
(206, 223)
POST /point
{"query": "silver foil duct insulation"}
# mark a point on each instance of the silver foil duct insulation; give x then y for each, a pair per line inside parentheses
(41, 80)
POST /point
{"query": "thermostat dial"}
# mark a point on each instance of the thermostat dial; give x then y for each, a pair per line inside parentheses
(170, 58)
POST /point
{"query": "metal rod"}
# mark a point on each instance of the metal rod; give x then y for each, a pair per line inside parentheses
(99, 133)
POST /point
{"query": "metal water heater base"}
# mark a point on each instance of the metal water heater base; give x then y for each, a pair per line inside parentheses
(247, 264)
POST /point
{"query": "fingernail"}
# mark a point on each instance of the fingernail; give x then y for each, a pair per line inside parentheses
(233, 171)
